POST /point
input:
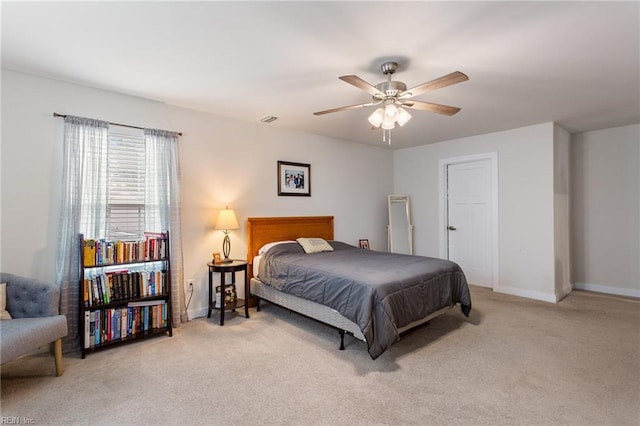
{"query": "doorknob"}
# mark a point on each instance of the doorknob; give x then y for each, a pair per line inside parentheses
(451, 228)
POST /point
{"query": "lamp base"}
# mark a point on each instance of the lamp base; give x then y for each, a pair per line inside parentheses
(226, 247)
(226, 260)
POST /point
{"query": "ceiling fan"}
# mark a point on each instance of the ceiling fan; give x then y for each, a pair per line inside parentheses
(394, 95)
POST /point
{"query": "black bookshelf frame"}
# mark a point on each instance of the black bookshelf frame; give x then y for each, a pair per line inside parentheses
(165, 297)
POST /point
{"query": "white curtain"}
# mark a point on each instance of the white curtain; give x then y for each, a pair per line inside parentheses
(84, 183)
(84, 207)
(162, 206)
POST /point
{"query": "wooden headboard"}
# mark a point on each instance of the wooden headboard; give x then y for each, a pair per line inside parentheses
(263, 230)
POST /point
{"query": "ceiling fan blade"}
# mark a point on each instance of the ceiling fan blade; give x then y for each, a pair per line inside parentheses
(345, 108)
(427, 106)
(438, 83)
(354, 80)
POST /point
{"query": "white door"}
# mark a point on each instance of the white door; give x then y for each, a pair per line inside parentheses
(469, 219)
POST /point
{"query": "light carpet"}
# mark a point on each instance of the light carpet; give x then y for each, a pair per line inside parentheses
(513, 362)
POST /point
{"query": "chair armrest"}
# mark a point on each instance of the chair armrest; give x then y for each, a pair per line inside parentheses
(30, 297)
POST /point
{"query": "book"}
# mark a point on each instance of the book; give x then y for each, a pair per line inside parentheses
(136, 320)
(124, 323)
(92, 329)
(135, 285)
(94, 289)
(97, 328)
(117, 323)
(108, 324)
(154, 316)
(87, 329)
(85, 293)
(145, 317)
(89, 252)
(102, 286)
(125, 286)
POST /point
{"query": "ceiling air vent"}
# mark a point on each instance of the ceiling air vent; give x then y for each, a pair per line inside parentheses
(268, 119)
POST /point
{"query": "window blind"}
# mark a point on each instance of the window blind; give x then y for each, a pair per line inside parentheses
(126, 187)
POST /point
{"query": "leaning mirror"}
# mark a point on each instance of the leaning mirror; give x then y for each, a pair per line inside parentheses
(400, 230)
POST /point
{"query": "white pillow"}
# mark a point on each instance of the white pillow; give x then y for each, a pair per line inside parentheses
(314, 245)
(267, 246)
(4, 314)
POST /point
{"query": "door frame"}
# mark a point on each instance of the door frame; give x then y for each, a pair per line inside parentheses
(443, 189)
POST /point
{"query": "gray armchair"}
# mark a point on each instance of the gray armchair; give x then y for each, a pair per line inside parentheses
(33, 305)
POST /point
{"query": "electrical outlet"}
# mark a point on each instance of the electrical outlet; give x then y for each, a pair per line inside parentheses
(190, 285)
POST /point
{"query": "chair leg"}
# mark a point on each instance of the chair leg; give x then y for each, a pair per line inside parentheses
(57, 353)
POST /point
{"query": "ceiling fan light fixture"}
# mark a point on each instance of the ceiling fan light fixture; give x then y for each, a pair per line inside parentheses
(403, 116)
(377, 117)
(390, 110)
(388, 123)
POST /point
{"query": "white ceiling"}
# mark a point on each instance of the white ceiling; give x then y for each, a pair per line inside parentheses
(575, 63)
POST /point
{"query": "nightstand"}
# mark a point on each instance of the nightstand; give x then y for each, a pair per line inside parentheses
(222, 269)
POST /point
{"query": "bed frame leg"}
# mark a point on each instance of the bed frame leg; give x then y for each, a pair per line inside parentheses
(341, 340)
(258, 303)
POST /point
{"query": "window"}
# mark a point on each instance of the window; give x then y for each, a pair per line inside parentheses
(125, 187)
(118, 182)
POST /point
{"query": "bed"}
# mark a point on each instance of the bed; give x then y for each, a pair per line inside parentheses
(373, 296)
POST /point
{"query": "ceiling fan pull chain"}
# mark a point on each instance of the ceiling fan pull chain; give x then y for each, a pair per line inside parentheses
(386, 136)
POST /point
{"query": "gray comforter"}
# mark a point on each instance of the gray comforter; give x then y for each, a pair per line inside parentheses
(379, 291)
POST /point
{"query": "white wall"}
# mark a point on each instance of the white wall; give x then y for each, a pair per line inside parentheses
(561, 211)
(605, 206)
(526, 202)
(224, 162)
(228, 162)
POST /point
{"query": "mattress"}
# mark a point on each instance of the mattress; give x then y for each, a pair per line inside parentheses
(305, 307)
(382, 293)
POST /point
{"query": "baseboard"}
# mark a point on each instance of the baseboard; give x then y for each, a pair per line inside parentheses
(618, 291)
(197, 313)
(529, 294)
(563, 292)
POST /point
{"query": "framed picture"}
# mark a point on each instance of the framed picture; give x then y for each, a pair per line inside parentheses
(364, 244)
(294, 179)
(217, 259)
(230, 296)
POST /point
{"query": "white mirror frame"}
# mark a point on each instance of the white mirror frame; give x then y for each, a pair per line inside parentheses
(409, 229)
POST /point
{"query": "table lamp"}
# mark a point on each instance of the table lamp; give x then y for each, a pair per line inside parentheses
(226, 221)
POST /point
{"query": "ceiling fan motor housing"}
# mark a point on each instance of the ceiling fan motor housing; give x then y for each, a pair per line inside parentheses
(390, 88)
(388, 67)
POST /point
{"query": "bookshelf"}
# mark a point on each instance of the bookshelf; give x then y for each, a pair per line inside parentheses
(125, 291)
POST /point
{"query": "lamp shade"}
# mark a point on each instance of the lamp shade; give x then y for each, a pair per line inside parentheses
(227, 220)
(388, 123)
(402, 117)
(377, 117)
(390, 110)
